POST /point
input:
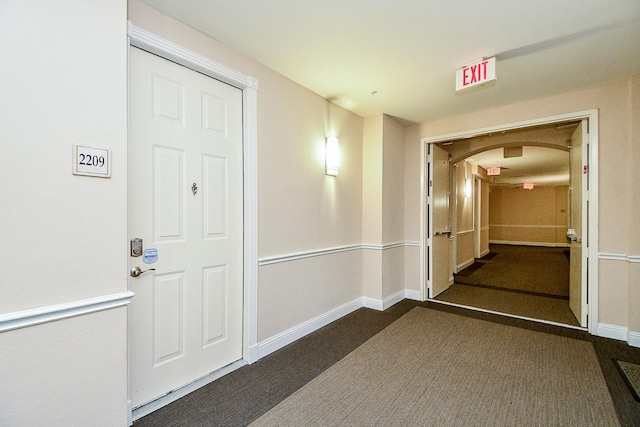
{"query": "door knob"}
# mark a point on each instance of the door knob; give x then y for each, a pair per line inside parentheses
(135, 271)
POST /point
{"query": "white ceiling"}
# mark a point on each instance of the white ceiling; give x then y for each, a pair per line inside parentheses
(407, 51)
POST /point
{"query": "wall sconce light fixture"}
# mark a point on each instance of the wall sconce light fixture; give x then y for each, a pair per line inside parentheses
(332, 157)
(467, 187)
(528, 185)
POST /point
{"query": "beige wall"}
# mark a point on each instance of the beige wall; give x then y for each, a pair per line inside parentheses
(393, 207)
(64, 82)
(618, 114)
(531, 217)
(383, 207)
(412, 215)
(65, 236)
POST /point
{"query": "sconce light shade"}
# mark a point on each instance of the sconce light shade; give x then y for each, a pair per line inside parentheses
(528, 185)
(332, 157)
(467, 187)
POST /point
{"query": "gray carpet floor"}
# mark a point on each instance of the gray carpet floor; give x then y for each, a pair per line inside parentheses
(244, 395)
(524, 281)
(431, 368)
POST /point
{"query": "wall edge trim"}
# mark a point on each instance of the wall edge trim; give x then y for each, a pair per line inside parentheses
(329, 251)
(619, 257)
(150, 42)
(634, 339)
(615, 332)
(52, 313)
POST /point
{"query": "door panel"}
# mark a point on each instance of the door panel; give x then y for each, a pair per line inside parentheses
(185, 202)
(438, 240)
(578, 223)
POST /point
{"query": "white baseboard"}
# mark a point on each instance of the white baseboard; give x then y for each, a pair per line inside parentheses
(465, 264)
(612, 331)
(372, 303)
(413, 295)
(285, 338)
(253, 355)
(382, 305)
(634, 339)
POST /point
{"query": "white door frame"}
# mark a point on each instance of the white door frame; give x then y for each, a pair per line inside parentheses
(249, 86)
(592, 232)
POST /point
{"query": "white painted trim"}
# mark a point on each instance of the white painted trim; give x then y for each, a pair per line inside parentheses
(285, 338)
(172, 396)
(302, 255)
(465, 264)
(511, 126)
(383, 247)
(592, 250)
(329, 251)
(412, 294)
(52, 313)
(612, 331)
(620, 257)
(460, 233)
(166, 49)
(382, 305)
(372, 303)
(634, 339)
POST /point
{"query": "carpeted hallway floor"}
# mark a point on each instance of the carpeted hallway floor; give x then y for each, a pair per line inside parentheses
(244, 395)
(526, 281)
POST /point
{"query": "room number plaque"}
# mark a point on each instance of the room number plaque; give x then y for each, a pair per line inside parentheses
(91, 161)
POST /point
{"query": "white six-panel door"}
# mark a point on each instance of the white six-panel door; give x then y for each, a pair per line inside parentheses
(185, 202)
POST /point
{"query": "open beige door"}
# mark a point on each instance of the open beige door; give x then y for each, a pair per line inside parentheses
(578, 222)
(186, 206)
(438, 230)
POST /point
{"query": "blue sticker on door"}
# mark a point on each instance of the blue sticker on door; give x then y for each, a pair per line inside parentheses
(149, 256)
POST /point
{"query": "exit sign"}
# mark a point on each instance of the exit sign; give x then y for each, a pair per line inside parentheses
(476, 73)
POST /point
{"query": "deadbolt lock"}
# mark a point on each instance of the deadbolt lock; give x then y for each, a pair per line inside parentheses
(136, 247)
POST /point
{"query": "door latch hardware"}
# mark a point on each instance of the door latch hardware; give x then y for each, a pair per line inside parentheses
(194, 188)
(136, 271)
